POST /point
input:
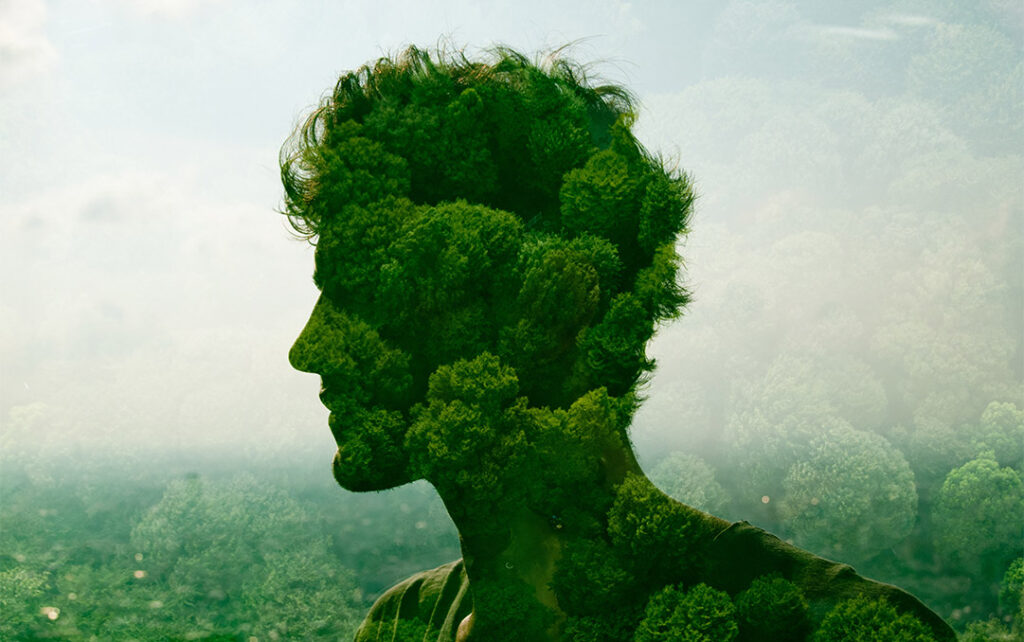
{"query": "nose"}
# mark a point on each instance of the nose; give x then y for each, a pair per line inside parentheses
(305, 353)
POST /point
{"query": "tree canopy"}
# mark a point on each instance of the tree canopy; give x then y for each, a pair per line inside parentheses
(979, 514)
(464, 207)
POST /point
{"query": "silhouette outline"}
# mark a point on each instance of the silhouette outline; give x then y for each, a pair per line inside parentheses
(494, 250)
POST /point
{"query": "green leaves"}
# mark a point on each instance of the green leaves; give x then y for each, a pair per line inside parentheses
(469, 435)
(613, 350)
(979, 514)
(482, 382)
(239, 557)
(688, 479)
(657, 287)
(592, 580)
(351, 356)
(853, 497)
(658, 535)
(664, 211)
(465, 208)
(602, 198)
(370, 454)
(1001, 430)
(701, 614)
(865, 620)
(774, 609)
(353, 246)
(20, 593)
(353, 170)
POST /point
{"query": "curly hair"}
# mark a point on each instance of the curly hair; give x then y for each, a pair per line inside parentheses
(516, 142)
(590, 264)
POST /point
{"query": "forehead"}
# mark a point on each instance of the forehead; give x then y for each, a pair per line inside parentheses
(404, 256)
(353, 244)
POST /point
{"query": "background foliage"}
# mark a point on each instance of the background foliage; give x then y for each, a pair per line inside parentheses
(858, 289)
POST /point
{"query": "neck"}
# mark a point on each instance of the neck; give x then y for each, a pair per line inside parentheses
(511, 549)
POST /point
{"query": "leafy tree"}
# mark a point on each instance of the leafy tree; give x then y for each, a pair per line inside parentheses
(20, 590)
(599, 629)
(1011, 599)
(690, 480)
(1001, 430)
(775, 420)
(591, 580)
(243, 556)
(1011, 592)
(933, 448)
(991, 630)
(863, 620)
(658, 536)
(979, 514)
(973, 73)
(852, 498)
(772, 609)
(700, 614)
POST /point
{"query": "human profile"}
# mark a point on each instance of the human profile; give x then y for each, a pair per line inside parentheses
(494, 249)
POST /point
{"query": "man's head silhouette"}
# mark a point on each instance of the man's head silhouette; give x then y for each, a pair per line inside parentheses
(463, 209)
(493, 251)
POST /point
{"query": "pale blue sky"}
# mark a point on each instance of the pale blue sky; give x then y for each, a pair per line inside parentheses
(146, 281)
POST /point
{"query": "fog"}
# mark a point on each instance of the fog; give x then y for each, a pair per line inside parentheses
(858, 170)
(855, 261)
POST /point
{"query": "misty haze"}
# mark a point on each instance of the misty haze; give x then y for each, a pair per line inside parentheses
(848, 374)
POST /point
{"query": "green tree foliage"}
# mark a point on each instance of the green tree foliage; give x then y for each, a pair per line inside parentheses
(20, 593)
(608, 629)
(1010, 626)
(853, 497)
(864, 620)
(1001, 430)
(699, 614)
(241, 557)
(459, 245)
(655, 533)
(935, 447)
(469, 429)
(592, 579)
(772, 609)
(974, 72)
(486, 305)
(690, 480)
(1011, 591)
(508, 606)
(69, 570)
(979, 514)
(991, 630)
(777, 417)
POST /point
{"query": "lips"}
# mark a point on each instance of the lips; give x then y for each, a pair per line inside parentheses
(334, 423)
(328, 394)
(327, 398)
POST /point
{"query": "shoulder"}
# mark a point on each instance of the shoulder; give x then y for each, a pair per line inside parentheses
(426, 606)
(743, 552)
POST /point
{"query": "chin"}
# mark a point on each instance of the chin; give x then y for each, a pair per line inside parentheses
(371, 454)
(362, 474)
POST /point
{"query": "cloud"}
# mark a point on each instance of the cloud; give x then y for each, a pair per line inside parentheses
(25, 51)
(142, 299)
(172, 9)
(910, 20)
(832, 32)
(626, 16)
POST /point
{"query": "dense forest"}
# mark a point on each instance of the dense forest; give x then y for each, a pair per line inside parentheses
(848, 375)
(107, 552)
(101, 550)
